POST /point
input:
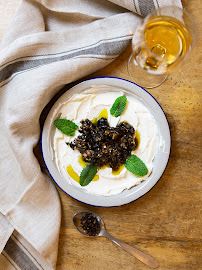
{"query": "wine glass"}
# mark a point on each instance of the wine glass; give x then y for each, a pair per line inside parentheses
(160, 45)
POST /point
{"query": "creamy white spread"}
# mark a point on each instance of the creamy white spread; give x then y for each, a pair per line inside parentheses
(89, 105)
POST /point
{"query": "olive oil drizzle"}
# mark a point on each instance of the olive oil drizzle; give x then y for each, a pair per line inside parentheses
(137, 138)
(72, 173)
(103, 113)
(82, 162)
(117, 172)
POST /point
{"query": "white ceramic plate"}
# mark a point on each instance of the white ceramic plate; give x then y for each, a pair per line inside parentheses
(160, 161)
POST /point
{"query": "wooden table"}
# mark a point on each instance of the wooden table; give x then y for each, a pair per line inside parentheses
(165, 222)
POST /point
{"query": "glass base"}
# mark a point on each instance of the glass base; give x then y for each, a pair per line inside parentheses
(142, 77)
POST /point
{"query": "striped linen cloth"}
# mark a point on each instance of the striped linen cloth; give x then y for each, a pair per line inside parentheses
(49, 44)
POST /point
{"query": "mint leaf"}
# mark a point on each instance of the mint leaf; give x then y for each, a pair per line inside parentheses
(87, 174)
(119, 106)
(136, 165)
(66, 126)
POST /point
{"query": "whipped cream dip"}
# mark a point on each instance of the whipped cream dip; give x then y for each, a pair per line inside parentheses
(89, 104)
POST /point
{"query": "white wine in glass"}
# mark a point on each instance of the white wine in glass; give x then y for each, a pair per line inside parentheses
(160, 44)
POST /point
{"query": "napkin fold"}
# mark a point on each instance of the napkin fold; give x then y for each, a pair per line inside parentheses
(49, 44)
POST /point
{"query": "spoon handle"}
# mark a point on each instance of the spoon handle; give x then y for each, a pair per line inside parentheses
(143, 257)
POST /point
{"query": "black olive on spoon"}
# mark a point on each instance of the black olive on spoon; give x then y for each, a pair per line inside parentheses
(92, 225)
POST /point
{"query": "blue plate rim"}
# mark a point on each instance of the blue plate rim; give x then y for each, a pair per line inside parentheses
(108, 77)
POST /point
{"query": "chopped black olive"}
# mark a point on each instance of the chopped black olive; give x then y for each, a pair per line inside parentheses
(104, 145)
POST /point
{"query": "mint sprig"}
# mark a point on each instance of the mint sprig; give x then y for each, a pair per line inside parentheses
(119, 106)
(87, 174)
(136, 165)
(67, 127)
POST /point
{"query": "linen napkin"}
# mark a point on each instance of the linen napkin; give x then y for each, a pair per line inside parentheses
(49, 44)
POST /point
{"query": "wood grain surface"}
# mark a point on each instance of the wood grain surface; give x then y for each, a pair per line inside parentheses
(166, 222)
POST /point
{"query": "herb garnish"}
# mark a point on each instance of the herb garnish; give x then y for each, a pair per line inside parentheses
(119, 106)
(67, 127)
(87, 174)
(136, 165)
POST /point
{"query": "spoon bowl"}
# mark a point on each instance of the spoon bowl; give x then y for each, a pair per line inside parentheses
(77, 223)
(85, 223)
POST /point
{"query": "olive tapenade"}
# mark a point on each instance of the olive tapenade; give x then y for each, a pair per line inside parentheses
(90, 224)
(104, 145)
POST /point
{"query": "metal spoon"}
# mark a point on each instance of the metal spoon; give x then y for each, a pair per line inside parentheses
(146, 259)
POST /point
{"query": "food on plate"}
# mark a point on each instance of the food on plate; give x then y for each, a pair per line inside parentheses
(104, 141)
